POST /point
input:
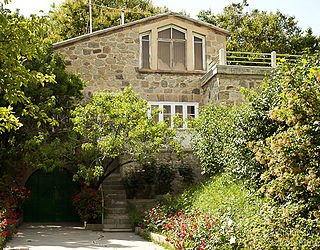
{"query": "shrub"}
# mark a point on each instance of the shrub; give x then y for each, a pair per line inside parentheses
(140, 179)
(12, 199)
(221, 209)
(291, 155)
(220, 139)
(90, 204)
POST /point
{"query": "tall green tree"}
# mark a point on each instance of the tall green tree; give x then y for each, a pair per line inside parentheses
(20, 39)
(39, 144)
(261, 31)
(71, 18)
(117, 125)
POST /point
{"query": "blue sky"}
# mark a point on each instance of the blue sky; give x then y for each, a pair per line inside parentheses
(306, 12)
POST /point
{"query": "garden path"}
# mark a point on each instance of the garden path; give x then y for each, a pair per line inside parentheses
(36, 236)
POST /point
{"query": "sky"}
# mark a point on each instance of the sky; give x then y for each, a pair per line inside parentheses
(306, 12)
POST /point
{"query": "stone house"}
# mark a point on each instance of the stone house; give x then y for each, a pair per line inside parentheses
(166, 59)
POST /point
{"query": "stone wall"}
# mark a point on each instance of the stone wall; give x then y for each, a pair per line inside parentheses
(223, 82)
(110, 61)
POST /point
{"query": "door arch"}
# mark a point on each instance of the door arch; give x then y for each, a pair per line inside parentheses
(50, 197)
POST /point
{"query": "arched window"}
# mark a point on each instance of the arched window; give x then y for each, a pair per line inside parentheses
(172, 49)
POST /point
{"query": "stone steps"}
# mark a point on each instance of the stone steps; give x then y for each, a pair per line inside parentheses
(116, 220)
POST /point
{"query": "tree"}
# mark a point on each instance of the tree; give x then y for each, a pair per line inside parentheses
(20, 39)
(118, 125)
(38, 144)
(71, 18)
(260, 31)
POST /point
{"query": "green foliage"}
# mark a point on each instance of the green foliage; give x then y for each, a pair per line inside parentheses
(90, 204)
(291, 156)
(20, 39)
(45, 143)
(260, 31)
(149, 179)
(71, 18)
(135, 216)
(220, 139)
(212, 215)
(12, 199)
(117, 124)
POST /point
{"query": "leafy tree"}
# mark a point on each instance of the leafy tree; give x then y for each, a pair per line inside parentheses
(118, 126)
(71, 18)
(260, 31)
(39, 144)
(20, 39)
(291, 156)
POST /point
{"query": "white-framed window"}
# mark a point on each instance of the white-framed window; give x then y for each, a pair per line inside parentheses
(184, 110)
(145, 50)
(172, 45)
(198, 42)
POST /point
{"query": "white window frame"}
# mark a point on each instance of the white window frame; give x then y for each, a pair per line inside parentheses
(203, 51)
(171, 47)
(173, 104)
(140, 52)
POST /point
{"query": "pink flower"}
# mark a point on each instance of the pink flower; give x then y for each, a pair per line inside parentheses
(178, 161)
(138, 171)
(143, 170)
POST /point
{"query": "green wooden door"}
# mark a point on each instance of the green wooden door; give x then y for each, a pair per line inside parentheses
(50, 197)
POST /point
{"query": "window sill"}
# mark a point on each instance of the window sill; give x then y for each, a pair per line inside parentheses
(196, 72)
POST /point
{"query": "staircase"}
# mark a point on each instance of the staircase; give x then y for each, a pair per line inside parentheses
(116, 220)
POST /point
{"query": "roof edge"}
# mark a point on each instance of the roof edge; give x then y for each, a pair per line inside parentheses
(98, 32)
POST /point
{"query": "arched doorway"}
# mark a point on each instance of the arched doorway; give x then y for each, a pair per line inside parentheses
(50, 197)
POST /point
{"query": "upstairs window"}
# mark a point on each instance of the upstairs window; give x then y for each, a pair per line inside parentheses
(172, 49)
(198, 56)
(184, 110)
(145, 51)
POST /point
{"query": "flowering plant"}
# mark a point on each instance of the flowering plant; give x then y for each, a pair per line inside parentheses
(12, 200)
(90, 203)
(192, 229)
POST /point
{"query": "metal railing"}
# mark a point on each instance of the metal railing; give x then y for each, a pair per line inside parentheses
(250, 59)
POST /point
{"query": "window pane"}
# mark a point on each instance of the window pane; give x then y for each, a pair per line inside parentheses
(163, 55)
(166, 34)
(167, 114)
(198, 56)
(179, 113)
(178, 109)
(176, 34)
(191, 111)
(197, 39)
(146, 37)
(145, 55)
(179, 52)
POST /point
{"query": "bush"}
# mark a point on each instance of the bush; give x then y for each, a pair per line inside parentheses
(155, 177)
(221, 209)
(291, 155)
(12, 199)
(220, 139)
(90, 204)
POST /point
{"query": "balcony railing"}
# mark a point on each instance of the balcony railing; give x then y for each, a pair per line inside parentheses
(250, 58)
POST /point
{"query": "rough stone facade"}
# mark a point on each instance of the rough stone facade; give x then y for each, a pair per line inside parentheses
(223, 83)
(109, 61)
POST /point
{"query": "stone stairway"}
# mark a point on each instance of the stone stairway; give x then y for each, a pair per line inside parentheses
(117, 218)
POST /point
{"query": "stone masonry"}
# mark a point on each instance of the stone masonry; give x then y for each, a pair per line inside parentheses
(223, 83)
(109, 61)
